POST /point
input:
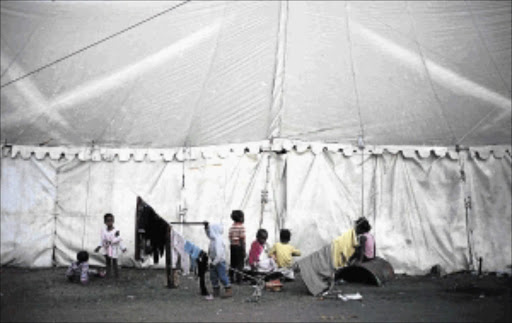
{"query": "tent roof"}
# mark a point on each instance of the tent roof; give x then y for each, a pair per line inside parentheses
(174, 74)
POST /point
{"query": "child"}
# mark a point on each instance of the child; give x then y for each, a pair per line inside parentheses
(343, 248)
(282, 252)
(365, 251)
(111, 243)
(237, 245)
(79, 270)
(216, 252)
(258, 259)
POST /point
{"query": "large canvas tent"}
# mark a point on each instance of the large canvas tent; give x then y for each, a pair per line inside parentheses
(304, 114)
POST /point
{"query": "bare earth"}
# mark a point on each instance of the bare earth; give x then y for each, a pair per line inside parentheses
(140, 295)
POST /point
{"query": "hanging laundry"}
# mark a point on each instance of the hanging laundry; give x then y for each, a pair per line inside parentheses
(178, 243)
(192, 250)
(152, 230)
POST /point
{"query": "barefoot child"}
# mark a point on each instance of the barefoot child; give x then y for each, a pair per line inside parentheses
(111, 243)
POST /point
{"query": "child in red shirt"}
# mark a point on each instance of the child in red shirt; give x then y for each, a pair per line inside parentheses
(237, 246)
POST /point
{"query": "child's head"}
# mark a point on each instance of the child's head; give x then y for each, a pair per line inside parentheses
(82, 256)
(108, 219)
(285, 235)
(237, 216)
(362, 225)
(262, 236)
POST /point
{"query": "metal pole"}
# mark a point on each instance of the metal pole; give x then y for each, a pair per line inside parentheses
(168, 258)
(137, 242)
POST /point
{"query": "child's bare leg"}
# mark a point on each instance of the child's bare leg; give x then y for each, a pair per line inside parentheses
(108, 262)
(116, 270)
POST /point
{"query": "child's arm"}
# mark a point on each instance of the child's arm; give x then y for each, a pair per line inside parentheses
(273, 252)
(84, 273)
(101, 242)
(362, 244)
(69, 272)
(117, 240)
(296, 252)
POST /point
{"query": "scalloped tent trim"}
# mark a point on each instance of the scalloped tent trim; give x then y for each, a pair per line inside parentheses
(225, 151)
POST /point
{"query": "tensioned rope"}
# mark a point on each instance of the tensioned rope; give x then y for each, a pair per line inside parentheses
(37, 70)
(429, 77)
(484, 43)
(360, 139)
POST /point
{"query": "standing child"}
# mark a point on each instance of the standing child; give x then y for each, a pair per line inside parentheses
(216, 252)
(237, 246)
(79, 270)
(258, 259)
(111, 243)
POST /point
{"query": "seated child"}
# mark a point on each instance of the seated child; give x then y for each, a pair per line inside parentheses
(79, 270)
(282, 252)
(365, 251)
(258, 258)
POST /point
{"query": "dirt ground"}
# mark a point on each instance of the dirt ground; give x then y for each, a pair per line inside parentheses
(140, 295)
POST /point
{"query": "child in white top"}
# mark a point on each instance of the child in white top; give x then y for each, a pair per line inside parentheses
(111, 243)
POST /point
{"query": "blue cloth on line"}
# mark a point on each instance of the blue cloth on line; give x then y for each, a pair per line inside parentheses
(192, 250)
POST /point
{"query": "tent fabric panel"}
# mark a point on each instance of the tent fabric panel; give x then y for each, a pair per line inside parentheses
(317, 57)
(27, 240)
(391, 83)
(419, 214)
(28, 193)
(215, 187)
(406, 73)
(321, 204)
(176, 87)
(413, 73)
(489, 184)
(234, 103)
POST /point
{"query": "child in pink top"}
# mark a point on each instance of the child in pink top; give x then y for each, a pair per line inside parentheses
(258, 259)
(365, 251)
(111, 243)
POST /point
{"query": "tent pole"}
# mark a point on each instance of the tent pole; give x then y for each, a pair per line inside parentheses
(169, 272)
(360, 143)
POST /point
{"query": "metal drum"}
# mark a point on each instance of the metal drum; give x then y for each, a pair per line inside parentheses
(375, 272)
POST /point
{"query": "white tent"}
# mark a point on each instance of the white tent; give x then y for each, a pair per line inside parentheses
(399, 111)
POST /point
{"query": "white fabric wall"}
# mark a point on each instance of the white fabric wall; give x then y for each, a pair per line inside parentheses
(28, 193)
(489, 185)
(415, 203)
(69, 198)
